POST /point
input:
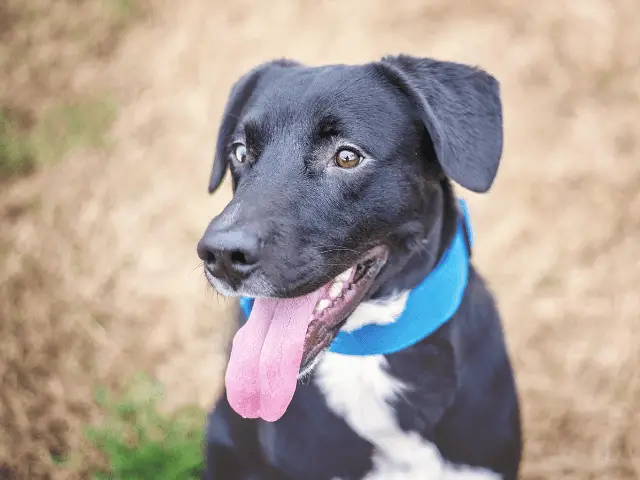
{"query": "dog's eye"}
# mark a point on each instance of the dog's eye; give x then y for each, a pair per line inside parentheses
(240, 152)
(347, 158)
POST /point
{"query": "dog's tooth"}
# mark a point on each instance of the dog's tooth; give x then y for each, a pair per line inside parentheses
(336, 289)
(322, 304)
(345, 276)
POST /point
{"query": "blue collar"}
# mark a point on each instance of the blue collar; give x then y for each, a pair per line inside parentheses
(429, 305)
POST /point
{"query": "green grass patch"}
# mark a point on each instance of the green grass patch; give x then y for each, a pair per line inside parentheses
(17, 156)
(83, 124)
(140, 443)
(123, 11)
(63, 128)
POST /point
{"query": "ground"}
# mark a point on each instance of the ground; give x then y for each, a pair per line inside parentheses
(98, 272)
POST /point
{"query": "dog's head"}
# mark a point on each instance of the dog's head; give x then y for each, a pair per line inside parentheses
(339, 174)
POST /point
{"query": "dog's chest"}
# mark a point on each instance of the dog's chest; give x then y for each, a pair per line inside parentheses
(360, 390)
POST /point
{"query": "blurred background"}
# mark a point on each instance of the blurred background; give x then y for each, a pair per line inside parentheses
(108, 117)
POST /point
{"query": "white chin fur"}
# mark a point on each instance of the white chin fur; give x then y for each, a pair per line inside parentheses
(309, 368)
(220, 286)
(259, 288)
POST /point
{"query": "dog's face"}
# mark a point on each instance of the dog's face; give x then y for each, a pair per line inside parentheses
(337, 174)
(327, 165)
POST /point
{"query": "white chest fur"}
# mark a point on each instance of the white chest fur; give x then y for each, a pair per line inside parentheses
(359, 389)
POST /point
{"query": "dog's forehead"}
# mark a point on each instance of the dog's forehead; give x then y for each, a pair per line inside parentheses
(305, 96)
(326, 83)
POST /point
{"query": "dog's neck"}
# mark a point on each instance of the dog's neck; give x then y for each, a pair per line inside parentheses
(408, 269)
(387, 325)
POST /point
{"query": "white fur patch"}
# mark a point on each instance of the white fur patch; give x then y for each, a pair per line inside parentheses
(379, 312)
(359, 390)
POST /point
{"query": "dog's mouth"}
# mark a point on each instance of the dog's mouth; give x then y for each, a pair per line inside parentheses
(340, 298)
(283, 336)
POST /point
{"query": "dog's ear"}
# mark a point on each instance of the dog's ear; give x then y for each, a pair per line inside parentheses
(461, 109)
(239, 97)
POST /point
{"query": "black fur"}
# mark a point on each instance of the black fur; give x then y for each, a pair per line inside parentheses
(418, 123)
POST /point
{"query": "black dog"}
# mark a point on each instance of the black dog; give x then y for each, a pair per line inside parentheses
(343, 216)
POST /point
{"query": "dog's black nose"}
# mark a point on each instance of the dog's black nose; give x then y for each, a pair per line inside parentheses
(229, 255)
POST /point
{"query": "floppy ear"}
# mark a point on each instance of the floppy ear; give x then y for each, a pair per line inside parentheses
(461, 109)
(239, 97)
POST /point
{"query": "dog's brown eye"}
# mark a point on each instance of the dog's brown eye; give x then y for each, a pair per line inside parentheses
(240, 152)
(346, 158)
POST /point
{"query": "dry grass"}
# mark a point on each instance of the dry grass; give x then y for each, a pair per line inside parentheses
(97, 253)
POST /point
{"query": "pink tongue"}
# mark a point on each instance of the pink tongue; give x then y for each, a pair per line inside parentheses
(266, 355)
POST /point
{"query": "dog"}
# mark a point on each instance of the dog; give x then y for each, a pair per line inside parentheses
(369, 346)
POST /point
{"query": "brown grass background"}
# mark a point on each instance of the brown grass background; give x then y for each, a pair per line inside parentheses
(98, 271)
